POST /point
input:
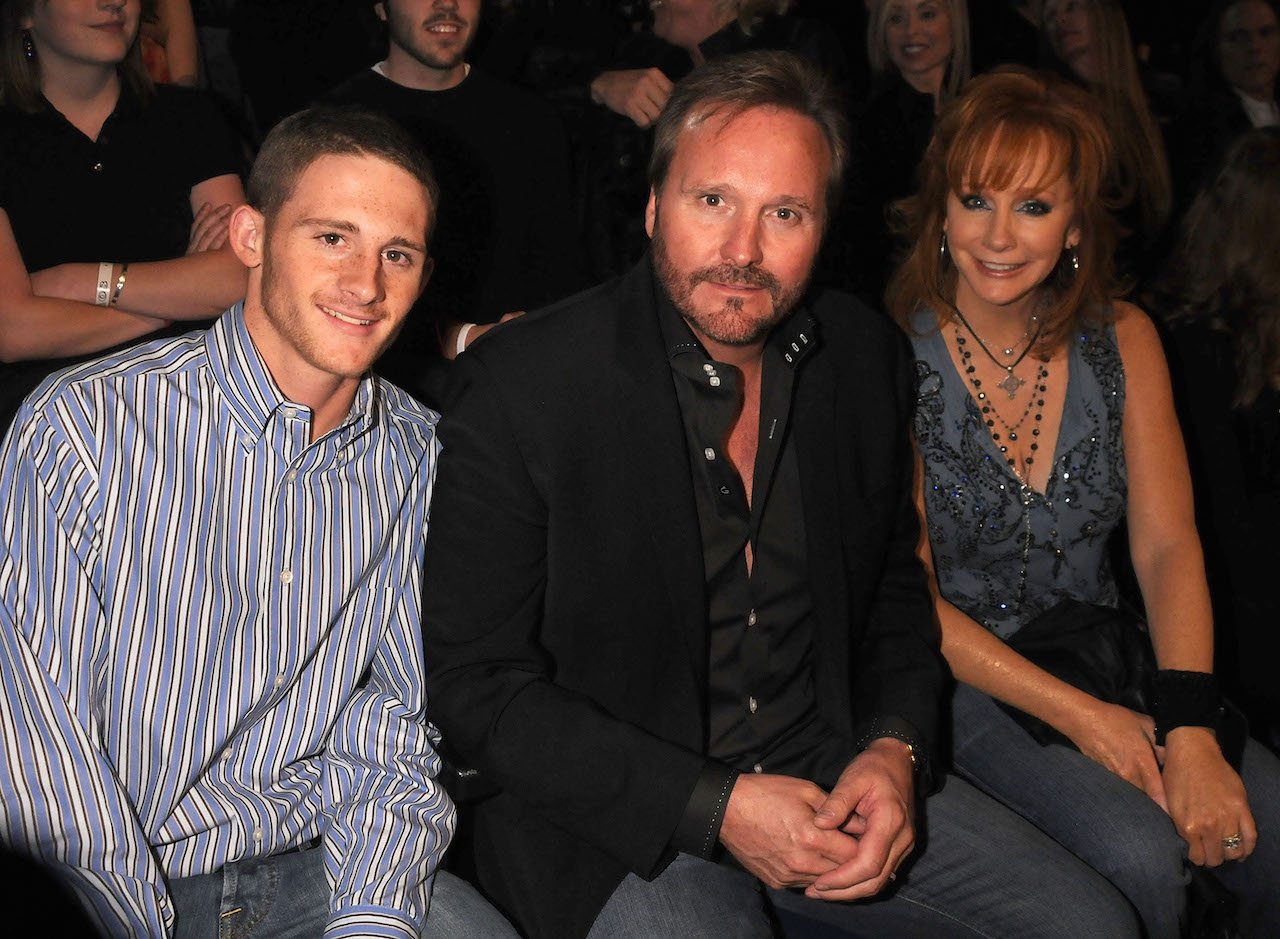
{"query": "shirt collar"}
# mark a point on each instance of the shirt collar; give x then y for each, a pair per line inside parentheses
(1260, 113)
(251, 392)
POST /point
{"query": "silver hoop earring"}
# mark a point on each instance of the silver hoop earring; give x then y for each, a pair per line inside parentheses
(1075, 258)
(942, 246)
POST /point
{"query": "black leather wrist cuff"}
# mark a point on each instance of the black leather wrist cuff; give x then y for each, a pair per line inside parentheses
(1184, 699)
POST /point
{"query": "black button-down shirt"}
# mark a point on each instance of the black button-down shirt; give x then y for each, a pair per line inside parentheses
(761, 685)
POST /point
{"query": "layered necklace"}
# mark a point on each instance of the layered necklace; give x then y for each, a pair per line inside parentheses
(1010, 384)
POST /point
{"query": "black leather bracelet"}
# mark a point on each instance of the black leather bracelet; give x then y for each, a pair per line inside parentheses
(1184, 699)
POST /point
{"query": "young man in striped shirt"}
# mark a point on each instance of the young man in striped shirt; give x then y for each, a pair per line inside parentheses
(211, 678)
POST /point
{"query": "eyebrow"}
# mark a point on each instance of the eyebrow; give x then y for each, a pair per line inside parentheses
(794, 200)
(338, 224)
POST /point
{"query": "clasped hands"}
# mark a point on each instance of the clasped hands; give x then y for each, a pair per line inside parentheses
(842, 845)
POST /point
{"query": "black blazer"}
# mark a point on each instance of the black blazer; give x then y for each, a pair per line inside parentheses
(565, 615)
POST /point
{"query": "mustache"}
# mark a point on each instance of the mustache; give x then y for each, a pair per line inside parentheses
(750, 276)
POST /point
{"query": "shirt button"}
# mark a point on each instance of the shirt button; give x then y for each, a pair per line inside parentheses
(715, 381)
(751, 703)
(286, 577)
(751, 618)
(709, 453)
(226, 757)
(290, 476)
(257, 834)
(97, 167)
(757, 768)
(279, 681)
(290, 412)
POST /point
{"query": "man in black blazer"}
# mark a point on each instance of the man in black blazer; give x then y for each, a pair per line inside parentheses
(674, 613)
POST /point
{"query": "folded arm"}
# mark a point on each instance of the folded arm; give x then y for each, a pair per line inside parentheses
(51, 313)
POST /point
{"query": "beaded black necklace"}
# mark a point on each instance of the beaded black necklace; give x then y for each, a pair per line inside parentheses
(990, 414)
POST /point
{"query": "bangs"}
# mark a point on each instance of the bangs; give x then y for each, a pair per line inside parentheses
(1007, 155)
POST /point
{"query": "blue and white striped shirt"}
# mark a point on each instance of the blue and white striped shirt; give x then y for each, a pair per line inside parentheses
(209, 634)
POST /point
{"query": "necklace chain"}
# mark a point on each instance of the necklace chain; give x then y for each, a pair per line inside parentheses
(991, 414)
(1011, 383)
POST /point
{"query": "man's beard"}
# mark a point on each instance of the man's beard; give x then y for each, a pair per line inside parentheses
(728, 325)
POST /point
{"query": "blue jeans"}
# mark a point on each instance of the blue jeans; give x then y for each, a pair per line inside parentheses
(978, 871)
(287, 897)
(1112, 825)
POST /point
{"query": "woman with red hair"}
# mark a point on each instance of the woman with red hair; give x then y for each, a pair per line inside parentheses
(1045, 420)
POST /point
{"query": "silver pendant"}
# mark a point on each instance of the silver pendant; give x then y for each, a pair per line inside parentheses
(1011, 383)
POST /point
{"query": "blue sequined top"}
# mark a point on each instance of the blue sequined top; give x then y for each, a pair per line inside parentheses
(986, 530)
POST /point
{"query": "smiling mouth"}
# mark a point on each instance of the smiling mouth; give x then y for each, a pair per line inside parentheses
(999, 268)
(446, 28)
(342, 317)
(914, 49)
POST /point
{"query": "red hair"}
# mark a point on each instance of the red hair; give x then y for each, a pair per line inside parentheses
(992, 137)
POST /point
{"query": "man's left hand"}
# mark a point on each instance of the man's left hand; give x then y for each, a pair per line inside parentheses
(874, 800)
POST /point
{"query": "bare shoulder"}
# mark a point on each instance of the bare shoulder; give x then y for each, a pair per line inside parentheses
(1136, 334)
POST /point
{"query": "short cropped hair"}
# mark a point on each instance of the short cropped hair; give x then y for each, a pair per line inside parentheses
(302, 138)
(733, 84)
(990, 136)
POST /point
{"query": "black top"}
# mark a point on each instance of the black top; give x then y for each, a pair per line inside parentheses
(1200, 138)
(506, 238)
(761, 700)
(891, 132)
(1235, 462)
(123, 197)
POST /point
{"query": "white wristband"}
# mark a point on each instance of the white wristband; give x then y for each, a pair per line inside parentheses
(102, 296)
(462, 338)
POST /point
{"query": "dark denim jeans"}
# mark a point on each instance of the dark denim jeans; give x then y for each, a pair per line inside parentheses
(287, 897)
(1112, 825)
(978, 871)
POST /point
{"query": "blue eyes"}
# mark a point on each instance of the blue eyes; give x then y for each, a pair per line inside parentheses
(1034, 207)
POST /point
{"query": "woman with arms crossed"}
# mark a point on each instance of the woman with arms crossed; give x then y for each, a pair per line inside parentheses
(100, 168)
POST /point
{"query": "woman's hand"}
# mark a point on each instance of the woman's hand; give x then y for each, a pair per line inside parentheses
(210, 228)
(1124, 742)
(1206, 798)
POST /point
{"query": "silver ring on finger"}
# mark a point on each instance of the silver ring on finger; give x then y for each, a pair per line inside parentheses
(1231, 842)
